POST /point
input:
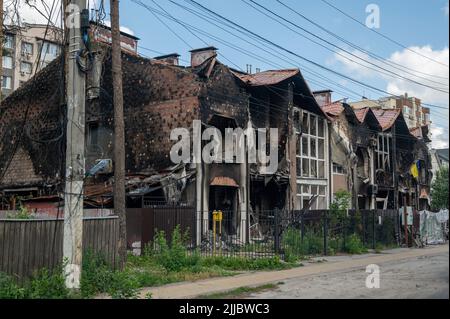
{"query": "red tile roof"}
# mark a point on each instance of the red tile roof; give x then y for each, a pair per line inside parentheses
(267, 77)
(386, 118)
(333, 109)
(361, 114)
(416, 132)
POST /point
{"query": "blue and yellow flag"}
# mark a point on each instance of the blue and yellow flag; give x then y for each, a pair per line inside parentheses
(414, 170)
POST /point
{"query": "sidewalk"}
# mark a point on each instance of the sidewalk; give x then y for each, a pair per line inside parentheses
(340, 263)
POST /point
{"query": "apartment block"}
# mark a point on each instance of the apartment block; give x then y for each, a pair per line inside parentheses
(23, 48)
(414, 113)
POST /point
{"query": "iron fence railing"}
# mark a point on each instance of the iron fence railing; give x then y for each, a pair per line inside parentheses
(287, 234)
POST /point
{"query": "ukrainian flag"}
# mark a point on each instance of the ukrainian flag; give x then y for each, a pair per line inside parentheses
(415, 169)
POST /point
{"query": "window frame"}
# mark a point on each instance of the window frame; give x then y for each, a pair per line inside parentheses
(383, 151)
(28, 63)
(25, 43)
(315, 158)
(9, 42)
(12, 62)
(5, 77)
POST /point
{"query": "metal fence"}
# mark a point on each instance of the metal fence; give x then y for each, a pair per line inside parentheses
(27, 246)
(276, 232)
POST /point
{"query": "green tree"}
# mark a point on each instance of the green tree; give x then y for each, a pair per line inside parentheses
(439, 193)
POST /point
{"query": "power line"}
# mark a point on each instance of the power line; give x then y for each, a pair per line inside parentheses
(388, 62)
(298, 55)
(215, 38)
(178, 21)
(381, 34)
(285, 58)
(382, 69)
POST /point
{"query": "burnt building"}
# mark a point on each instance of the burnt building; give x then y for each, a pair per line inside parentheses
(161, 96)
(376, 158)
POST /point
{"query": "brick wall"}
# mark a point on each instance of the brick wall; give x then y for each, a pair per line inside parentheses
(32, 130)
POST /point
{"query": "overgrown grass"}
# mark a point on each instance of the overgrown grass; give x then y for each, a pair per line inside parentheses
(98, 277)
(164, 263)
(168, 262)
(44, 284)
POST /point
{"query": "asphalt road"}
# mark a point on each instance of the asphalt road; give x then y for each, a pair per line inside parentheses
(420, 277)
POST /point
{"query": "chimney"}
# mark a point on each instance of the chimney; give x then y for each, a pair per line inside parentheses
(199, 56)
(172, 59)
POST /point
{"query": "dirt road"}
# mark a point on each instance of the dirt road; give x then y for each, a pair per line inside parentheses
(420, 277)
(405, 273)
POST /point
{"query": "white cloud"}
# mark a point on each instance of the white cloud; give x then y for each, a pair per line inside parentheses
(416, 62)
(122, 28)
(399, 86)
(439, 137)
(445, 9)
(411, 60)
(32, 11)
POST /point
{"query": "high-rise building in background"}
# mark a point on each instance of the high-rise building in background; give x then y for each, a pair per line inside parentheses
(21, 49)
(414, 113)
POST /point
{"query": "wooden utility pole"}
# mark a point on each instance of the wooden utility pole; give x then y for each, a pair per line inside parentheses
(292, 149)
(1, 49)
(75, 148)
(119, 132)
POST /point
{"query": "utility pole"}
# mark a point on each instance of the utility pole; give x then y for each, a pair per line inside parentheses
(1, 49)
(119, 132)
(75, 148)
(292, 149)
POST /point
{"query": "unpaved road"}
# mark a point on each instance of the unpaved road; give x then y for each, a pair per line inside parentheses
(405, 273)
(414, 278)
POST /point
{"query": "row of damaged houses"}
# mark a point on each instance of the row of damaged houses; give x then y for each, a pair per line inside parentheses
(378, 159)
(323, 148)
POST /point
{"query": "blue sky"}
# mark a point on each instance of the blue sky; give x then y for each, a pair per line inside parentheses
(422, 25)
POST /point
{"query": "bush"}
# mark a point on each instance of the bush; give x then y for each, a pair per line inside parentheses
(354, 245)
(123, 285)
(174, 257)
(9, 289)
(48, 285)
(98, 277)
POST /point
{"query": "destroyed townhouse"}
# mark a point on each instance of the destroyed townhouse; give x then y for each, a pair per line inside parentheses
(324, 146)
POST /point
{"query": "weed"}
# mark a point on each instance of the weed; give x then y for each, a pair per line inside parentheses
(47, 284)
(9, 289)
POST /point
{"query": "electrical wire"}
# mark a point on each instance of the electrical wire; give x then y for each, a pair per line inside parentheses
(298, 55)
(381, 34)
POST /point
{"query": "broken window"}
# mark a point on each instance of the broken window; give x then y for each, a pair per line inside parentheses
(307, 192)
(383, 150)
(297, 122)
(305, 123)
(312, 148)
(93, 133)
(305, 167)
(311, 162)
(305, 146)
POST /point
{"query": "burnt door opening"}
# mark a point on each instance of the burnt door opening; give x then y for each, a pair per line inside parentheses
(224, 198)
